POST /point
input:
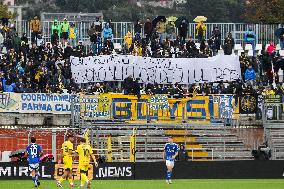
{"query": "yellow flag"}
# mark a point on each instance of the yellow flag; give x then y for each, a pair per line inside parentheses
(86, 136)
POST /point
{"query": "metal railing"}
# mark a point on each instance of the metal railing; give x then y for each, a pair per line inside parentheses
(264, 32)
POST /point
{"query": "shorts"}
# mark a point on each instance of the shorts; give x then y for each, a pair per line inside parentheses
(170, 163)
(34, 166)
(84, 167)
(67, 161)
(64, 35)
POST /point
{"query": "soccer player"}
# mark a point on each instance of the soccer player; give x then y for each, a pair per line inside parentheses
(67, 151)
(34, 151)
(170, 153)
(85, 152)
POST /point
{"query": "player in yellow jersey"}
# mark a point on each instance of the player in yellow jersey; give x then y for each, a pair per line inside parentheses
(67, 151)
(85, 151)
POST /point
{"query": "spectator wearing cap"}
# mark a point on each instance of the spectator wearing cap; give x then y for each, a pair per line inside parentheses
(72, 34)
(35, 28)
(64, 30)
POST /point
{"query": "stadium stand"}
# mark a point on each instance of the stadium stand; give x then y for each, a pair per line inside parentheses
(203, 142)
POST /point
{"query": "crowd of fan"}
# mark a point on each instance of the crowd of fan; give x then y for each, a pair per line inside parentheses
(38, 67)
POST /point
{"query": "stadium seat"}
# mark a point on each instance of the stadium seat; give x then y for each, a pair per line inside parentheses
(238, 47)
(5, 156)
(4, 50)
(221, 52)
(278, 47)
(250, 53)
(197, 45)
(239, 52)
(281, 53)
(117, 46)
(248, 47)
(258, 47)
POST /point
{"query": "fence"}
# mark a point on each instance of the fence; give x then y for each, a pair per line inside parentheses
(264, 32)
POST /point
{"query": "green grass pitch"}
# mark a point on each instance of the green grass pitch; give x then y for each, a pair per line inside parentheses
(157, 184)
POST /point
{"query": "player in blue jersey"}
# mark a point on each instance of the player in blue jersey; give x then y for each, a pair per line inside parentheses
(170, 153)
(34, 151)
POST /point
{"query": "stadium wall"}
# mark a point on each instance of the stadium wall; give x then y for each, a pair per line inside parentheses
(151, 171)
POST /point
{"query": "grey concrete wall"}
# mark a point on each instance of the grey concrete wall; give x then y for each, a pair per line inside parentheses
(33, 119)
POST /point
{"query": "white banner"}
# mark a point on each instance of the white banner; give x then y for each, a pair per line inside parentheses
(155, 70)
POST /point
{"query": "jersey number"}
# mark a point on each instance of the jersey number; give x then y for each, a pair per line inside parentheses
(65, 149)
(33, 150)
(86, 152)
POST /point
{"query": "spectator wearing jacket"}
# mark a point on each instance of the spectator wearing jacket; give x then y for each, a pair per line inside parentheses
(137, 31)
(107, 32)
(200, 31)
(250, 38)
(72, 35)
(8, 85)
(35, 28)
(64, 31)
(182, 29)
(128, 42)
(271, 48)
(217, 34)
(250, 75)
(55, 32)
(229, 44)
(148, 29)
(98, 26)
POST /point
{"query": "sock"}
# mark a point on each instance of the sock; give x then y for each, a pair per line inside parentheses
(84, 178)
(34, 179)
(169, 175)
(61, 180)
(36, 176)
(70, 180)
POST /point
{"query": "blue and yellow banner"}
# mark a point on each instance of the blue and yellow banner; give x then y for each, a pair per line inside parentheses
(113, 106)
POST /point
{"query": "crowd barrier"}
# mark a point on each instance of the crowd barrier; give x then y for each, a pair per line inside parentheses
(116, 106)
(155, 170)
(264, 32)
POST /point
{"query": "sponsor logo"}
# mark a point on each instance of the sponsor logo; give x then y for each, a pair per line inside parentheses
(105, 172)
(21, 171)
